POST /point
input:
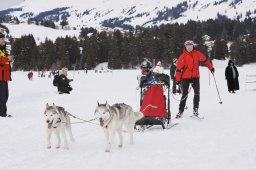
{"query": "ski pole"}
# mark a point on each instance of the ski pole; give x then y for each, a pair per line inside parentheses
(217, 89)
(74, 72)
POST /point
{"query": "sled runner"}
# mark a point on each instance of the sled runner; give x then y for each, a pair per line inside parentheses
(155, 102)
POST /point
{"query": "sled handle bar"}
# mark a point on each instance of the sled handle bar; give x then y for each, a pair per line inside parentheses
(146, 84)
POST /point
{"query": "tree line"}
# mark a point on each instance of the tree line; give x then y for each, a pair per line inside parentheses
(232, 39)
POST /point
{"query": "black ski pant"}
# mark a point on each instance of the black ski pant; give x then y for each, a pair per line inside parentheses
(174, 86)
(4, 93)
(185, 87)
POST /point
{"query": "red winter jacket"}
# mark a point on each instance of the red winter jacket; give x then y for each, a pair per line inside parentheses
(188, 65)
(5, 68)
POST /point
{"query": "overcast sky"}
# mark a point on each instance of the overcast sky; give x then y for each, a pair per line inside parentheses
(8, 3)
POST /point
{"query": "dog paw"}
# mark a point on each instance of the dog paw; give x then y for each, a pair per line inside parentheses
(48, 147)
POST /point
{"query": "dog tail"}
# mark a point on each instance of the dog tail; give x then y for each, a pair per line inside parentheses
(138, 115)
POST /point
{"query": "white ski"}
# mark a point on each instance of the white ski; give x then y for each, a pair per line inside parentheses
(197, 117)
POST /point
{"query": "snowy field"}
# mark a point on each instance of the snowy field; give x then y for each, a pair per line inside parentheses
(224, 140)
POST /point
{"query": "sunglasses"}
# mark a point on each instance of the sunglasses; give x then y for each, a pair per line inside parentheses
(145, 69)
(189, 46)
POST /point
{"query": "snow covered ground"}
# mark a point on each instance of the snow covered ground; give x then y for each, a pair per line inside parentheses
(224, 140)
(40, 33)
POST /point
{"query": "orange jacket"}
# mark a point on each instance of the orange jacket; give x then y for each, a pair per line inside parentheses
(188, 65)
(5, 68)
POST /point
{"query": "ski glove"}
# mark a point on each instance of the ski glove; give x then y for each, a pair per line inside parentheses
(212, 70)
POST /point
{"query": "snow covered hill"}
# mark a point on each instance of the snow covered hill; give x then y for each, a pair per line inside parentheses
(224, 140)
(120, 13)
(40, 33)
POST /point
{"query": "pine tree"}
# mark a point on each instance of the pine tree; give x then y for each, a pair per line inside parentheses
(60, 53)
(115, 52)
(27, 53)
(47, 54)
(91, 52)
(220, 49)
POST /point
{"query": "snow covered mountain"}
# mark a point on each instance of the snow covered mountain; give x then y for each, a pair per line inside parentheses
(127, 13)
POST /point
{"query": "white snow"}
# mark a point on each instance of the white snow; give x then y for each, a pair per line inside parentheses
(39, 33)
(91, 13)
(224, 140)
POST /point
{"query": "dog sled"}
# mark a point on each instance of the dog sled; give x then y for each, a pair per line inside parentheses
(154, 102)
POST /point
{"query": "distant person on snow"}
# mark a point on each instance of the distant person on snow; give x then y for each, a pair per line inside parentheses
(63, 82)
(187, 73)
(159, 69)
(172, 74)
(5, 76)
(232, 75)
(30, 75)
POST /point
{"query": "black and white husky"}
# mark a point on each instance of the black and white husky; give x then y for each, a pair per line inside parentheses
(57, 121)
(113, 118)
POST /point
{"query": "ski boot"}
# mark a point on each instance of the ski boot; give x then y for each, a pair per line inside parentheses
(179, 115)
(195, 112)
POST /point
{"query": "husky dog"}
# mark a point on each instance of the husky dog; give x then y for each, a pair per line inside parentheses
(58, 121)
(112, 119)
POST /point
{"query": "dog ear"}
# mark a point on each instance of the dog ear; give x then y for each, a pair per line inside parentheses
(107, 105)
(98, 103)
(54, 106)
(47, 105)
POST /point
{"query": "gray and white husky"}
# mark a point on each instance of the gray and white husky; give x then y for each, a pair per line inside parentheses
(58, 121)
(113, 118)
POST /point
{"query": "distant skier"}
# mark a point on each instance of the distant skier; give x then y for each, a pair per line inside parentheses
(187, 73)
(232, 75)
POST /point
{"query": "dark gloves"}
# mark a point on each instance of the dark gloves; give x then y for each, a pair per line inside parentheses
(212, 70)
(142, 83)
(178, 82)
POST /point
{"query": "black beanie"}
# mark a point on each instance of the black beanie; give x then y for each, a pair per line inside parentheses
(2, 35)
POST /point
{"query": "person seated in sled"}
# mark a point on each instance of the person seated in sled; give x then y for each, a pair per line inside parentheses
(63, 82)
(153, 100)
(149, 77)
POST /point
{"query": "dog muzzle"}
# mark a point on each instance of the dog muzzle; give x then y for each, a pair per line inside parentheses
(101, 122)
(50, 125)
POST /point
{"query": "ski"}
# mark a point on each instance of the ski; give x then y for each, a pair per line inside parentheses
(177, 118)
(171, 125)
(196, 117)
(145, 127)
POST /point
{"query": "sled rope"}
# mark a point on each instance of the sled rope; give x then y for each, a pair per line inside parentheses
(150, 105)
(83, 121)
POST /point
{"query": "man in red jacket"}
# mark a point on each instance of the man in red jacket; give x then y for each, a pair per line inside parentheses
(5, 76)
(188, 73)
